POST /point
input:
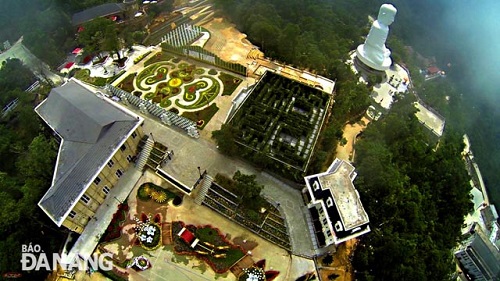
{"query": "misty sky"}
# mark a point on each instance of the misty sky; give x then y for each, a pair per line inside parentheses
(474, 26)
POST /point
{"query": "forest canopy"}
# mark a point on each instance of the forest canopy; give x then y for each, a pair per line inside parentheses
(415, 193)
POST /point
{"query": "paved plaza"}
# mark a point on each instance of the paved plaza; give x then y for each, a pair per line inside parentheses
(191, 153)
(430, 119)
(169, 266)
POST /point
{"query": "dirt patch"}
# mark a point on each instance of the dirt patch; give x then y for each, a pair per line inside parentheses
(341, 265)
(346, 151)
(228, 42)
(245, 244)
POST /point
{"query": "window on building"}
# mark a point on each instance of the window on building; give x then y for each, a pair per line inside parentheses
(134, 134)
(97, 180)
(325, 221)
(105, 189)
(338, 226)
(329, 202)
(119, 173)
(72, 214)
(129, 158)
(328, 233)
(316, 185)
(111, 163)
(123, 148)
(85, 199)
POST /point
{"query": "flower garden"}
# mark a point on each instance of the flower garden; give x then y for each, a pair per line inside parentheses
(221, 260)
(148, 231)
(150, 191)
(175, 84)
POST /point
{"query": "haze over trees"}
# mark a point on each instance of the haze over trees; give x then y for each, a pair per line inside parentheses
(415, 194)
(28, 153)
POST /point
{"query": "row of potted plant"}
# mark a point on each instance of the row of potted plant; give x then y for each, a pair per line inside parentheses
(224, 192)
(218, 207)
(214, 195)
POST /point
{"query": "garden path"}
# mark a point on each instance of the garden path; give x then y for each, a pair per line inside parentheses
(180, 97)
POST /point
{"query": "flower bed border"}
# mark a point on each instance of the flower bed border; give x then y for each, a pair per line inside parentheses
(201, 257)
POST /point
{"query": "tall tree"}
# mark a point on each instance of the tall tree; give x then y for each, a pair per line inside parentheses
(93, 36)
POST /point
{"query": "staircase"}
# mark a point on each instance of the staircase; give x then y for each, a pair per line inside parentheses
(166, 116)
(207, 182)
(144, 155)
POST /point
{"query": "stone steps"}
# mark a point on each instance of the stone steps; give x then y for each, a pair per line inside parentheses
(207, 182)
(144, 155)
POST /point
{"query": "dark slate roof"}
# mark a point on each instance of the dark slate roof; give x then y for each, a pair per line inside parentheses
(91, 129)
(97, 11)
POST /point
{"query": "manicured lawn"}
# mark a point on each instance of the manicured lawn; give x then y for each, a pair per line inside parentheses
(230, 83)
(84, 75)
(204, 114)
(211, 235)
(161, 56)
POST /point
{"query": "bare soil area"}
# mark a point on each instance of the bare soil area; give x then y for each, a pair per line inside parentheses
(228, 42)
(346, 151)
(341, 265)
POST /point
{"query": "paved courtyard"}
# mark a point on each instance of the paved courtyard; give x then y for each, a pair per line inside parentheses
(191, 153)
(169, 266)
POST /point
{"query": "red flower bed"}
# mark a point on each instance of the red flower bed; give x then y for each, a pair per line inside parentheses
(157, 218)
(115, 226)
(144, 218)
(218, 265)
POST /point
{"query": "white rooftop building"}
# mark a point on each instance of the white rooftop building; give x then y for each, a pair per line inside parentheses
(336, 210)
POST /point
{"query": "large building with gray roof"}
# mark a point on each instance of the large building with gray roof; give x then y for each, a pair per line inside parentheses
(336, 211)
(98, 140)
(104, 10)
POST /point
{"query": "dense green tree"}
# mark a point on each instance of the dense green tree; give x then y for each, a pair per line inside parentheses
(111, 41)
(247, 186)
(93, 36)
(225, 139)
(14, 75)
(416, 195)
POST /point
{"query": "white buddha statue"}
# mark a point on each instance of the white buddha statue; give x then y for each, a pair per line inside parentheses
(373, 52)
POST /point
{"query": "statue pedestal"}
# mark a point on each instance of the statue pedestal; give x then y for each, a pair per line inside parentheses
(365, 70)
(364, 56)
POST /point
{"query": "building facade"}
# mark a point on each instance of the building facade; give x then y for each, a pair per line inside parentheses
(334, 205)
(478, 258)
(98, 143)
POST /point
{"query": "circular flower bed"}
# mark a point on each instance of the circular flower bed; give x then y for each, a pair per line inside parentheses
(150, 236)
(252, 274)
(140, 263)
(175, 82)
